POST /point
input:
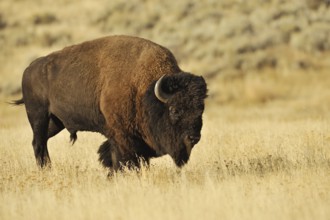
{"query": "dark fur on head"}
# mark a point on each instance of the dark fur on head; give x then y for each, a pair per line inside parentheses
(176, 125)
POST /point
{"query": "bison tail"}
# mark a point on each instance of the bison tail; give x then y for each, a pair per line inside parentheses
(17, 102)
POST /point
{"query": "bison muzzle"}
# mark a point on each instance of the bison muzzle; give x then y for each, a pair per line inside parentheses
(129, 89)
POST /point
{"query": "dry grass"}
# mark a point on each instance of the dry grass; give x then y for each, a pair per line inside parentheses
(257, 160)
(263, 170)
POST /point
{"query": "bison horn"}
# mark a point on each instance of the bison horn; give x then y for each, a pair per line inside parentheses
(159, 93)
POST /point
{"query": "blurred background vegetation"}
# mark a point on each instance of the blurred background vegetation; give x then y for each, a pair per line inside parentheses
(221, 40)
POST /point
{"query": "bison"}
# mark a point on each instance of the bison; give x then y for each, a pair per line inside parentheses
(129, 89)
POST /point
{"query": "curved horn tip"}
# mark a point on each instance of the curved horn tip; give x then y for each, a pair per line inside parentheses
(159, 93)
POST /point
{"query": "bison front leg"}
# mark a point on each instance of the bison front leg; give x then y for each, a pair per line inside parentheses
(105, 154)
(115, 159)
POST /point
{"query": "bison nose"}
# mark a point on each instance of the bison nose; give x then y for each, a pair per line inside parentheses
(194, 138)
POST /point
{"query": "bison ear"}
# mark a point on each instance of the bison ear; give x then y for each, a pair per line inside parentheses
(165, 87)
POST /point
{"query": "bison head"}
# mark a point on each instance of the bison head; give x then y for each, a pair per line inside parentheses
(174, 107)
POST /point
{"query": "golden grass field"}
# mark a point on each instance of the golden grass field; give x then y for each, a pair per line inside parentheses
(265, 147)
(262, 160)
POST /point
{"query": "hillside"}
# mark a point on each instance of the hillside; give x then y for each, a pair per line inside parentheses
(213, 38)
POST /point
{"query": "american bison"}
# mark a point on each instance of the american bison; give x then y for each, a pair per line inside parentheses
(129, 89)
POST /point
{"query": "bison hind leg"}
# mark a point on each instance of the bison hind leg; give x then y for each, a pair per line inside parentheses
(39, 120)
(55, 126)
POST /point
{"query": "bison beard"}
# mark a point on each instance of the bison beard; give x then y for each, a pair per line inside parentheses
(129, 89)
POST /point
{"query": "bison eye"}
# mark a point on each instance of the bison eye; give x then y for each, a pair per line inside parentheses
(175, 114)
